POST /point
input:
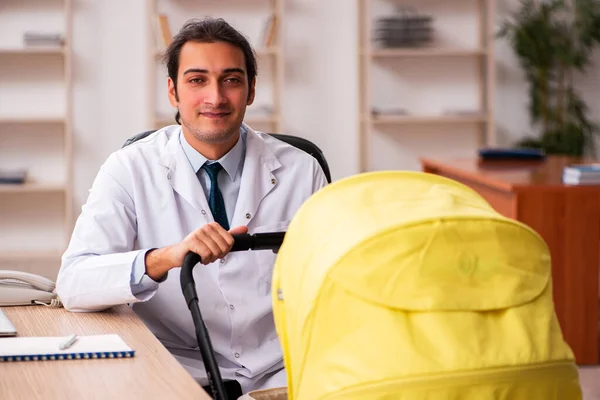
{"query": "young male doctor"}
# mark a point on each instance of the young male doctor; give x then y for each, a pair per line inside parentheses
(189, 187)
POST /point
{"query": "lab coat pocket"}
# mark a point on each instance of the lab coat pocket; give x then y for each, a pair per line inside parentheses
(265, 259)
(276, 227)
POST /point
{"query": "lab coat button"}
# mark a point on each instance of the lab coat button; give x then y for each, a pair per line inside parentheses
(273, 181)
(222, 261)
(231, 307)
(248, 216)
(203, 212)
(237, 355)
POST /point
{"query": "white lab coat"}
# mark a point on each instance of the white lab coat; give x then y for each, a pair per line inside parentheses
(146, 196)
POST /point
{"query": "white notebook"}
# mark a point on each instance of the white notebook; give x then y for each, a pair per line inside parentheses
(47, 348)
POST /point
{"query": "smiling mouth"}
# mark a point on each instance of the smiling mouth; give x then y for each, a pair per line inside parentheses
(215, 115)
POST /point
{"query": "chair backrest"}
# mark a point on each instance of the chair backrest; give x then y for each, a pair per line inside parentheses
(298, 142)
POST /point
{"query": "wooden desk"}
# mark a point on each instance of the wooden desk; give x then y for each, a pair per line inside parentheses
(567, 217)
(152, 374)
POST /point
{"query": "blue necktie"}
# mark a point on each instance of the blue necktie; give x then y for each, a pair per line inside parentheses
(215, 199)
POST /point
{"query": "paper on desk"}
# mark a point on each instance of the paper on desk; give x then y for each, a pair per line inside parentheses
(47, 348)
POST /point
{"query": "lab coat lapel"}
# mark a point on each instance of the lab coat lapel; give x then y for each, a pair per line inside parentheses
(182, 177)
(257, 178)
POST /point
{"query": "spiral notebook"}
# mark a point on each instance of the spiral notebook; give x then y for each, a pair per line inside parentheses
(47, 348)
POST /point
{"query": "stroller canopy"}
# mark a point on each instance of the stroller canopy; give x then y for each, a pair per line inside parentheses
(406, 285)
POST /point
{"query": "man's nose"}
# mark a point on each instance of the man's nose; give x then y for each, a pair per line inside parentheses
(215, 95)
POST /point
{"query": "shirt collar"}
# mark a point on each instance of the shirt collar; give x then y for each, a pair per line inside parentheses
(231, 162)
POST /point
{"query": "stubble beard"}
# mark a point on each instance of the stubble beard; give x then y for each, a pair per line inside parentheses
(209, 136)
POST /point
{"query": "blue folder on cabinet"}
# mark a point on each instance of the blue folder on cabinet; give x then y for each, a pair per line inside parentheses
(490, 154)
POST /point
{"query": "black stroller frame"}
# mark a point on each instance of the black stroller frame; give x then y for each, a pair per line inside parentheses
(259, 241)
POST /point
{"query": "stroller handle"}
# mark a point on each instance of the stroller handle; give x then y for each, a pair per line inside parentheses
(258, 241)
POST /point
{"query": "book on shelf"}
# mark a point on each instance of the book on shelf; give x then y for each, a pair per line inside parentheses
(13, 176)
(33, 38)
(389, 111)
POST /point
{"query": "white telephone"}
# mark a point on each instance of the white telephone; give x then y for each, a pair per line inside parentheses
(18, 288)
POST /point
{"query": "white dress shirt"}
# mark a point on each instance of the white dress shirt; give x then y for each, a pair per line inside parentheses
(229, 179)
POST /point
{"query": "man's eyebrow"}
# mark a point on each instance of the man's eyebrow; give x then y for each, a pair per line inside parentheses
(231, 70)
(205, 71)
(195, 70)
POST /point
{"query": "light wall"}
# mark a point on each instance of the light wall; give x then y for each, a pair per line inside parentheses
(320, 92)
(110, 82)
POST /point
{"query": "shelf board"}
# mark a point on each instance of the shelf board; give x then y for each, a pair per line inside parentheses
(424, 52)
(32, 120)
(265, 51)
(32, 50)
(33, 255)
(32, 188)
(426, 119)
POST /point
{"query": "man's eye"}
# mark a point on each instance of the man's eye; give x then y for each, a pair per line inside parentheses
(196, 80)
(232, 80)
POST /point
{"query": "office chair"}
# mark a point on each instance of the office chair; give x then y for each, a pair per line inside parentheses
(298, 142)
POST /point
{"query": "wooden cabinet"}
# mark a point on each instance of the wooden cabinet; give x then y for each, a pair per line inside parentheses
(567, 217)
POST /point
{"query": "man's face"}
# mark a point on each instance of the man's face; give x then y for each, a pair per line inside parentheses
(212, 90)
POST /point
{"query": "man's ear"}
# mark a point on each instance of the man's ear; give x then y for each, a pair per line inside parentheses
(251, 92)
(172, 91)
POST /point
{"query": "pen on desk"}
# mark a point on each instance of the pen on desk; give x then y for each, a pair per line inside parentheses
(68, 343)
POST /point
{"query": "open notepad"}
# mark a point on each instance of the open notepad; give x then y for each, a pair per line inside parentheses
(47, 348)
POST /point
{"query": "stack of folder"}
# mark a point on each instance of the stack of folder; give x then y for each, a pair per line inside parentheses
(582, 174)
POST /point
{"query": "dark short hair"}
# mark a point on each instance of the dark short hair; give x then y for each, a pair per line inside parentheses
(208, 30)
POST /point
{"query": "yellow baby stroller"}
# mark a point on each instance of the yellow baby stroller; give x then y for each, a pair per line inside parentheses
(405, 285)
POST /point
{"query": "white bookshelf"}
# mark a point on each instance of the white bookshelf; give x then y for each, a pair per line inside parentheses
(36, 217)
(249, 17)
(469, 60)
